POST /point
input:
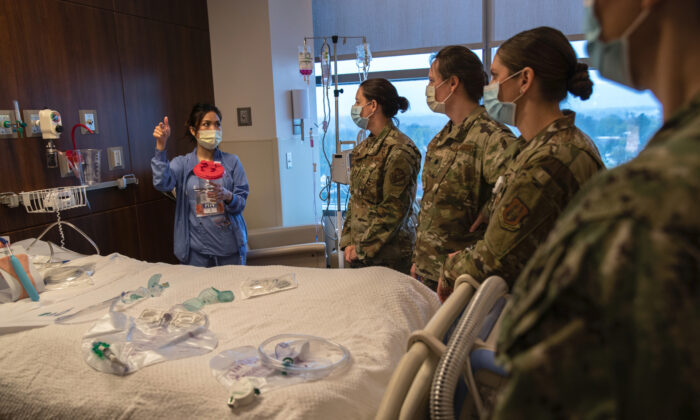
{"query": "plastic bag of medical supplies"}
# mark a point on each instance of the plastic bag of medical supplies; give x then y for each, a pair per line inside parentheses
(10, 286)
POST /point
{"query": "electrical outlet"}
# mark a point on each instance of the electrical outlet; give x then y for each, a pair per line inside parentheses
(89, 118)
(115, 157)
(31, 117)
(7, 128)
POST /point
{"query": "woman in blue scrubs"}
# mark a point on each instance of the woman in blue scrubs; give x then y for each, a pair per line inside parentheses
(203, 240)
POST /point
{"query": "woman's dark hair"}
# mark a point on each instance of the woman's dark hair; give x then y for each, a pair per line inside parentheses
(196, 116)
(459, 61)
(547, 51)
(382, 91)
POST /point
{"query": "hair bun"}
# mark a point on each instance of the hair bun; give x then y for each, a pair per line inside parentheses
(579, 83)
(402, 102)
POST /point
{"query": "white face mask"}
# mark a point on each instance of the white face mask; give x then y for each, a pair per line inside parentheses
(433, 104)
(503, 112)
(209, 139)
(358, 119)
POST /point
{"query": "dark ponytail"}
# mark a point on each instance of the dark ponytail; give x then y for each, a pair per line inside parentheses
(382, 91)
(550, 55)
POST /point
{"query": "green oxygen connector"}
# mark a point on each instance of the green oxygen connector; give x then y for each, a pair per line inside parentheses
(102, 350)
(208, 296)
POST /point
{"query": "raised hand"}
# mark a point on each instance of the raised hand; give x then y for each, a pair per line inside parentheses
(161, 133)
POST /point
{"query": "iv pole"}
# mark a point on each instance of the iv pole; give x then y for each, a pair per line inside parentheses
(336, 95)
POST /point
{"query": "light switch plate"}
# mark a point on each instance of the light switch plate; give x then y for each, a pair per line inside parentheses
(115, 157)
(89, 118)
(289, 160)
(31, 117)
(7, 117)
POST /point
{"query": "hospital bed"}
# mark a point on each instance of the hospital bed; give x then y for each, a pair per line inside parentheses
(299, 246)
(370, 311)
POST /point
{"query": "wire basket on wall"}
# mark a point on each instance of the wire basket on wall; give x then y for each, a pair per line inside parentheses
(53, 200)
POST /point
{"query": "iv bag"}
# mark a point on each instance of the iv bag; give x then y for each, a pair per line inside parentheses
(325, 63)
(362, 59)
(306, 62)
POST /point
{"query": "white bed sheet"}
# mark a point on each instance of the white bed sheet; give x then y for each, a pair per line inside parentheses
(370, 311)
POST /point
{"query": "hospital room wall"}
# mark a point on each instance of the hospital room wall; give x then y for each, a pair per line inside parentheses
(254, 64)
(131, 60)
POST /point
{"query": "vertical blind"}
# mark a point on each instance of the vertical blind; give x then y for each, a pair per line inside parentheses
(398, 25)
(513, 16)
(393, 26)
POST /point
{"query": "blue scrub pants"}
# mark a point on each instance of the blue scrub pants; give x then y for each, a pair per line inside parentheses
(202, 260)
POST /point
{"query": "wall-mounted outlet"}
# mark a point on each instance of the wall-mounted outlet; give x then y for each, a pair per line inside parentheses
(31, 117)
(115, 157)
(89, 118)
(7, 127)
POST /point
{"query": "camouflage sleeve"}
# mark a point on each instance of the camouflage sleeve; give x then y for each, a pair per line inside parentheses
(397, 196)
(495, 157)
(529, 205)
(346, 234)
(604, 323)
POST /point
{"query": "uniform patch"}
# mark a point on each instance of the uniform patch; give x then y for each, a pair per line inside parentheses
(514, 212)
(398, 177)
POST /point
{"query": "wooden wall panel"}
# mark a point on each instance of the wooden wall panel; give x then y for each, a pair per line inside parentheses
(165, 76)
(155, 230)
(103, 4)
(112, 231)
(131, 60)
(192, 13)
(72, 71)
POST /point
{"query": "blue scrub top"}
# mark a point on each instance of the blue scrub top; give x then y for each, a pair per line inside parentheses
(207, 237)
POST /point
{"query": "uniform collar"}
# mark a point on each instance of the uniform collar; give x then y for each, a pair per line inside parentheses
(563, 123)
(462, 129)
(374, 143)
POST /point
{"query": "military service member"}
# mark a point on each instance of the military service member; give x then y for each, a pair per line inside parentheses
(377, 229)
(552, 159)
(605, 321)
(462, 163)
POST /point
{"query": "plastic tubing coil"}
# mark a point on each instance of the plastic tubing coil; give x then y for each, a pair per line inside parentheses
(454, 359)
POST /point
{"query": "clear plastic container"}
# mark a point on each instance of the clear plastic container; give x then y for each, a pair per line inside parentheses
(91, 165)
(302, 354)
(209, 174)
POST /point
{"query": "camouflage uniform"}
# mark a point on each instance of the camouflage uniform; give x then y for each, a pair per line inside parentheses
(461, 165)
(382, 190)
(540, 179)
(605, 320)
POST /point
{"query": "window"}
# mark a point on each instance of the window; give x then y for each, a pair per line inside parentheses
(619, 120)
(419, 122)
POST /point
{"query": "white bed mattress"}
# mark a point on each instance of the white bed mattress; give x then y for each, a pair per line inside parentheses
(370, 311)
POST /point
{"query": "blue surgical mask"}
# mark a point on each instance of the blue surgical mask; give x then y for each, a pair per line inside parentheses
(433, 104)
(611, 58)
(359, 120)
(503, 112)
